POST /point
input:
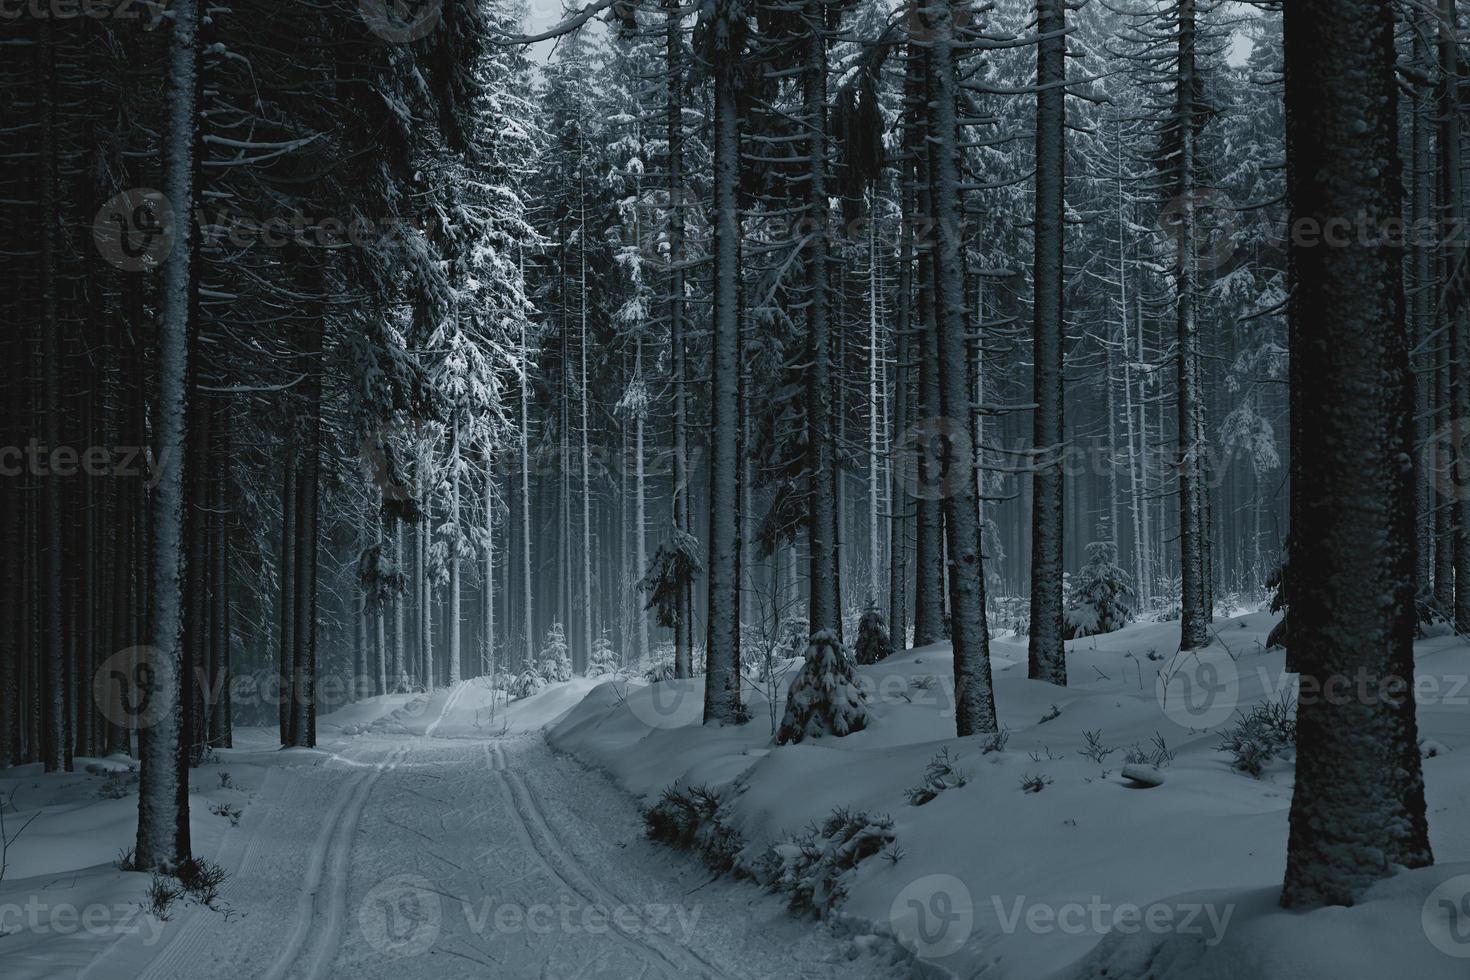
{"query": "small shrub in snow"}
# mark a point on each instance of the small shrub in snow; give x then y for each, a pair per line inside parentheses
(232, 813)
(1052, 714)
(1012, 614)
(873, 642)
(117, 785)
(656, 670)
(824, 698)
(224, 780)
(796, 632)
(1101, 600)
(127, 859)
(604, 659)
(201, 880)
(1033, 783)
(1171, 593)
(690, 818)
(939, 775)
(814, 868)
(556, 657)
(997, 742)
(1266, 732)
(1157, 755)
(162, 893)
(1094, 749)
(529, 682)
(923, 682)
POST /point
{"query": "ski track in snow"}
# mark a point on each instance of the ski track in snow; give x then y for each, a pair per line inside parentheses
(542, 839)
(481, 824)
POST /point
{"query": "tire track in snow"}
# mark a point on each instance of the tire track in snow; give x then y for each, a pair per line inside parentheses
(320, 919)
(561, 865)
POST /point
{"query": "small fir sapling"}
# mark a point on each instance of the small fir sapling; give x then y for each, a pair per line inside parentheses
(556, 657)
(1101, 600)
(824, 698)
(873, 641)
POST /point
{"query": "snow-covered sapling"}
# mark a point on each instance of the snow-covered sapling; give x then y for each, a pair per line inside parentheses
(1101, 600)
(529, 682)
(556, 658)
(873, 641)
(813, 869)
(940, 774)
(1264, 733)
(604, 659)
(824, 698)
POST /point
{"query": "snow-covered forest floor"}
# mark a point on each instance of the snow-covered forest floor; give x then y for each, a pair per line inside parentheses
(445, 836)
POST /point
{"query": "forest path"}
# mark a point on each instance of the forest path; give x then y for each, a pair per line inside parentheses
(415, 856)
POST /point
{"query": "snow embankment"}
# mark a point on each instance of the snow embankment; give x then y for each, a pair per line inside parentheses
(1037, 858)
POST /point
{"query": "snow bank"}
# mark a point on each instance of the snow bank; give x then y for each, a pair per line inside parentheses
(1017, 882)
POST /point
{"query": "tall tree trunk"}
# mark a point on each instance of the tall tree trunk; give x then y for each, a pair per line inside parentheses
(163, 792)
(1422, 305)
(1046, 654)
(722, 649)
(287, 602)
(640, 520)
(929, 625)
(1194, 621)
(54, 744)
(585, 400)
(1358, 805)
(974, 696)
(825, 608)
(1452, 214)
(526, 589)
(678, 201)
(398, 669)
(455, 583)
(899, 500)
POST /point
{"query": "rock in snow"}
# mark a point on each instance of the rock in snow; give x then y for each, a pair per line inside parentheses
(1143, 775)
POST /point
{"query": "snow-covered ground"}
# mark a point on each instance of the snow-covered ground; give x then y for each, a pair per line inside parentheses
(446, 836)
(1088, 874)
(417, 841)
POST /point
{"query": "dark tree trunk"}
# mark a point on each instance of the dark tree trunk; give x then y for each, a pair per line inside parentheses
(1046, 654)
(1358, 806)
(722, 680)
